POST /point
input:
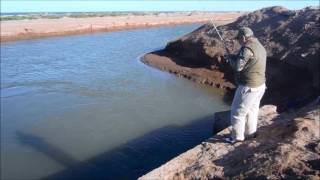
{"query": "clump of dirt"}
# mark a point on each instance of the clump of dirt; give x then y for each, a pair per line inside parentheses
(291, 39)
(287, 148)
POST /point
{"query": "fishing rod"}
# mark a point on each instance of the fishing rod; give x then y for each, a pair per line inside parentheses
(222, 40)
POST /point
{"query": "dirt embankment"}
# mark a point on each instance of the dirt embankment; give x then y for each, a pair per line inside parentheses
(291, 39)
(38, 28)
(288, 144)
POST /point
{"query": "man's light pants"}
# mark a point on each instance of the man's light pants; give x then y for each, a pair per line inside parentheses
(244, 110)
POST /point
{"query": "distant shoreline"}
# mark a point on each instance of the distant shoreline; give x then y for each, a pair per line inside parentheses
(56, 15)
(13, 30)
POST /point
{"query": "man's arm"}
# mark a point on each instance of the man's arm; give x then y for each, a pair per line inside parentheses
(239, 63)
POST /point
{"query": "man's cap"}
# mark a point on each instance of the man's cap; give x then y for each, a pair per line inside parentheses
(245, 31)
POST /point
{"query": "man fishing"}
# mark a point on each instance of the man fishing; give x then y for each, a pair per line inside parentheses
(249, 67)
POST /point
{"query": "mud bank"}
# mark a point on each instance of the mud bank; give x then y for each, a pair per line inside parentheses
(38, 28)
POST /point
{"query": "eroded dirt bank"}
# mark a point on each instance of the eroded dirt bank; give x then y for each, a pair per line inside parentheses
(290, 37)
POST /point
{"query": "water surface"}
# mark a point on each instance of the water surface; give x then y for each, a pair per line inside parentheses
(85, 106)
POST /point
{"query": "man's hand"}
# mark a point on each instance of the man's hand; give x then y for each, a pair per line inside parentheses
(226, 58)
(244, 56)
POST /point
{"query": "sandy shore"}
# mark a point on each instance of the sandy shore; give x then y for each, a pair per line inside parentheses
(37, 28)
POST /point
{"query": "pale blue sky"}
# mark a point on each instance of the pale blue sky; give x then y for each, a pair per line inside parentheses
(147, 5)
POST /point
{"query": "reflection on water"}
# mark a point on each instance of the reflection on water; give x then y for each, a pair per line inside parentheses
(85, 106)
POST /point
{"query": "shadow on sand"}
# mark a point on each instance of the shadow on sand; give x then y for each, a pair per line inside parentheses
(130, 160)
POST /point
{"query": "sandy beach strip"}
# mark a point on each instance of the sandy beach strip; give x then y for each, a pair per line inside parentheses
(38, 28)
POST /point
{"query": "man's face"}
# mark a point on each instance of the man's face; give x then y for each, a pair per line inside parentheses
(241, 39)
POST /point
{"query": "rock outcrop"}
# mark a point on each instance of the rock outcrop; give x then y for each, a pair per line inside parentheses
(291, 39)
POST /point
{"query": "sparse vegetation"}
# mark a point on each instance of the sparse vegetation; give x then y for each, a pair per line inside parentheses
(9, 18)
(5, 17)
